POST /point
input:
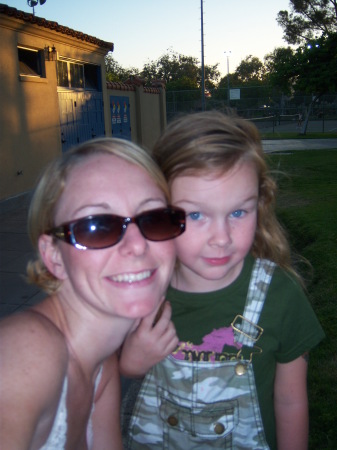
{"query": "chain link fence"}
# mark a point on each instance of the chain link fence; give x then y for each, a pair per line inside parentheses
(271, 112)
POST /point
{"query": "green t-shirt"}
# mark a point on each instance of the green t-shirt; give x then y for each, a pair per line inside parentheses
(289, 324)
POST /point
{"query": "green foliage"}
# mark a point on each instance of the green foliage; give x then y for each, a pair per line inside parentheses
(180, 71)
(312, 68)
(279, 67)
(250, 77)
(250, 72)
(284, 72)
(251, 69)
(316, 65)
(308, 20)
(183, 84)
(307, 206)
(115, 72)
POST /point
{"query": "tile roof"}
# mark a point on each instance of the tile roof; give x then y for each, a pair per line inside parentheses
(119, 86)
(130, 86)
(30, 18)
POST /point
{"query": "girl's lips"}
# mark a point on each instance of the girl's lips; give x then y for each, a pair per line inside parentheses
(217, 261)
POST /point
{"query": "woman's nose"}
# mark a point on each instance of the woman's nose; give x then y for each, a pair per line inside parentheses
(133, 241)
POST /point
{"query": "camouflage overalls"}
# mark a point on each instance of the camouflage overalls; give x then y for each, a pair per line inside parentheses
(205, 405)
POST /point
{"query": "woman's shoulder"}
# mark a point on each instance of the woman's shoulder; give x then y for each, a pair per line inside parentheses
(34, 363)
(31, 338)
(31, 321)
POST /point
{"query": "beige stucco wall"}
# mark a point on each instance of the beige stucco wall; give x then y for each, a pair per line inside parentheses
(151, 122)
(28, 118)
(30, 133)
(29, 110)
(147, 113)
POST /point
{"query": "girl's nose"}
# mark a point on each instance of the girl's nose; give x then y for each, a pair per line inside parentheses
(220, 233)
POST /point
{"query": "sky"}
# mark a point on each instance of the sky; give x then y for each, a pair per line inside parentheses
(144, 30)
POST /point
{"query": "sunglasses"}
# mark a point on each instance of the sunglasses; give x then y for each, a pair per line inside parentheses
(105, 230)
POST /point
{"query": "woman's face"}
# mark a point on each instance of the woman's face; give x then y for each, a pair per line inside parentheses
(129, 278)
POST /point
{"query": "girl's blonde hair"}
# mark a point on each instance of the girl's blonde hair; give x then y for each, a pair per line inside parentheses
(213, 142)
(51, 186)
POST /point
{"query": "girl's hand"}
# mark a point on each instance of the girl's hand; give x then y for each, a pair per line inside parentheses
(153, 339)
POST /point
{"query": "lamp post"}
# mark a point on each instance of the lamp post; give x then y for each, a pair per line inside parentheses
(228, 54)
(203, 102)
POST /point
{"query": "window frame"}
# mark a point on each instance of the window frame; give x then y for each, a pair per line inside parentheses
(33, 60)
(84, 74)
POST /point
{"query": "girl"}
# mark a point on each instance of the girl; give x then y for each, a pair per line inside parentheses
(238, 376)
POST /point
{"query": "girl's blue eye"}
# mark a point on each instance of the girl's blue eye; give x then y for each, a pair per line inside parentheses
(238, 213)
(195, 215)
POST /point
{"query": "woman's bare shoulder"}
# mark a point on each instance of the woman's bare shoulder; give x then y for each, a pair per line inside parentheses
(33, 366)
(30, 338)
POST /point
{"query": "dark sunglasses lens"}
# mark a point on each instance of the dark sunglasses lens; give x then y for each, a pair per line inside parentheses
(162, 225)
(98, 231)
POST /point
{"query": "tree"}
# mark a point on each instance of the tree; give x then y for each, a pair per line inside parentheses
(312, 24)
(280, 69)
(115, 72)
(311, 69)
(179, 71)
(308, 20)
(251, 69)
(317, 66)
(250, 77)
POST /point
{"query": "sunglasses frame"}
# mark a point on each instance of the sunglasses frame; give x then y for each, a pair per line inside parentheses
(65, 231)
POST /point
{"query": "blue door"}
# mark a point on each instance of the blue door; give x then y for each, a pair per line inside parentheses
(81, 117)
(120, 117)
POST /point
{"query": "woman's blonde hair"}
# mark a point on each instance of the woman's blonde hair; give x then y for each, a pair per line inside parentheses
(51, 186)
(213, 142)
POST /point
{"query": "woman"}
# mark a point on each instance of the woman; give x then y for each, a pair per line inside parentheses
(102, 230)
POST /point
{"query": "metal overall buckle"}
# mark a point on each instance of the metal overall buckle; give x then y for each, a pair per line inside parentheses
(247, 328)
(251, 333)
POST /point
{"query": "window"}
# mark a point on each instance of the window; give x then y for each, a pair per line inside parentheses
(30, 62)
(62, 74)
(78, 76)
(92, 77)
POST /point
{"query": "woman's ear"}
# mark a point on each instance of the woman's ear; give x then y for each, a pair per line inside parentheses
(51, 256)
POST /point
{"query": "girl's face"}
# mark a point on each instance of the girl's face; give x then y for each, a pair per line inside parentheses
(220, 226)
(129, 278)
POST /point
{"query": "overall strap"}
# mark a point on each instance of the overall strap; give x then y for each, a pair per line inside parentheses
(246, 328)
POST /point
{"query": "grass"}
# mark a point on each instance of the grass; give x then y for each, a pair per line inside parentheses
(307, 207)
(297, 135)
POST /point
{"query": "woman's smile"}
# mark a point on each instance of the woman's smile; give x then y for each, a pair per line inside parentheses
(131, 278)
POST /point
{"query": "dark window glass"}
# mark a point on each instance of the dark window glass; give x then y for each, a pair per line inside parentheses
(62, 74)
(30, 62)
(92, 77)
(76, 76)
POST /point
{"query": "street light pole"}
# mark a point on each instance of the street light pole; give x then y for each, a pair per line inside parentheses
(203, 103)
(228, 53)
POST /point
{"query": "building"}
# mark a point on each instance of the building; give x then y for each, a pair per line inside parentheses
(53, 95)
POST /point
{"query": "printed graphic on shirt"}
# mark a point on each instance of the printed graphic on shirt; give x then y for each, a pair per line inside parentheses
(211, 348)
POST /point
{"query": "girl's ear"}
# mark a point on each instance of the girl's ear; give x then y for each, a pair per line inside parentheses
(51, 256)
